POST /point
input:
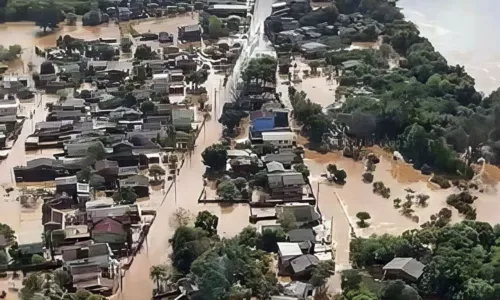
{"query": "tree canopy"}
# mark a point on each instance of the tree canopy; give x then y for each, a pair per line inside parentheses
(215, 157)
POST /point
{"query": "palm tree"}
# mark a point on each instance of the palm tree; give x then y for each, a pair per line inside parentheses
(158, 274)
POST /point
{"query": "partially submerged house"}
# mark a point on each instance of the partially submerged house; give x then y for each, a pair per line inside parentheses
(286, 186)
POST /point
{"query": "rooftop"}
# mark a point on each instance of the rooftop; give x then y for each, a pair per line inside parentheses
(409, 265)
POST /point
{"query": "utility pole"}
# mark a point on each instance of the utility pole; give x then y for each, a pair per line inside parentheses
(215, 103)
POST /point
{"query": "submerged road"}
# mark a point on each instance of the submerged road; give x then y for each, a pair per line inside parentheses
(136, 284)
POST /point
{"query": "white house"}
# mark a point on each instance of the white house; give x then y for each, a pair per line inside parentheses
(280, 139)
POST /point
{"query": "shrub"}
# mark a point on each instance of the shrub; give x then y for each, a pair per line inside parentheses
(363, 216)
(441, 181)
(367, 177)
(380, 189)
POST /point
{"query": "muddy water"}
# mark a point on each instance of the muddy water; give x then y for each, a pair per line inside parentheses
(28, 36)
(462, 31)
(357, 196)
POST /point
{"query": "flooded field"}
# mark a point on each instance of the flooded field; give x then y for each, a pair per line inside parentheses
(356, 196)
(28, 36)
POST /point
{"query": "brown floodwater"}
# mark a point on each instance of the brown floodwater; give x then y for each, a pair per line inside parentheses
(27, 35)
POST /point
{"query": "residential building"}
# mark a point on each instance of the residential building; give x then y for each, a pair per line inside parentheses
(280, 139)
(40, 169)
(304, 213)
(261, 121)
(111, 231)
(182, 117)
(124, 13)
(96, 211)
(80, 149)
(313, 48)
(139, 183)
(90, 277)
(8, 107)
(287, 186)
(226, 10)
(406, 268)
(286, 158)
(190, 33)
(160, 82)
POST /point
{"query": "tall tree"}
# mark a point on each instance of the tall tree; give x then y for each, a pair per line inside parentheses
(49, 16)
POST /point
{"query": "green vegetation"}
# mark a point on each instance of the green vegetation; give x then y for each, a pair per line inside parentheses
(462, 260)
(125, 196)
(156, 171)
(52, 286)
(207, 221)
(462, 202)
(337, 175)
(363, 216)
(234, 268)
(8, 233)
(380, 189)
(215, 157)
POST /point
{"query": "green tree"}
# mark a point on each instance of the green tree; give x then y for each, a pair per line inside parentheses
(84, 174)
(96, 152)
(240, 183)
(71, 19)
(37, 259)
(363, 216)
(4, 259)
(49, 16)
(322, 272)
(287, 220)
(148, 107)
(231, 119)
(228, 191)
(197, 78)
(125, 196)
(156, 171)
(260, 70)
(398, 290)
(270, 238)
(144, 52)
(158, 274)
(304, 170)
(8, 233)
(207, 221)
(187, 245)
(215, 157)
(214, 27)
(249, 237)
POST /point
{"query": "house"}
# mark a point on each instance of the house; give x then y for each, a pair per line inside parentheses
(160, 82)
(286, 158)
(304, 213)
(300, 266)
(313, 48)
(286, 186)
(405, 268)
(280, 139)
(90, 277)
(288, 251)
(280, 118)
(124, 14)
(190, 33)
(296, 290)
(261, 121)
(236, 153)
(182, 117)
(80, 149)
(8, 107)
(74, 115)
(66, 185)
(165, 37)
(305, 237)
(40, 169)
(98, 210)
(98, 253)
(111, 231)
(226, 10)
(275, 167)
(139, 183)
